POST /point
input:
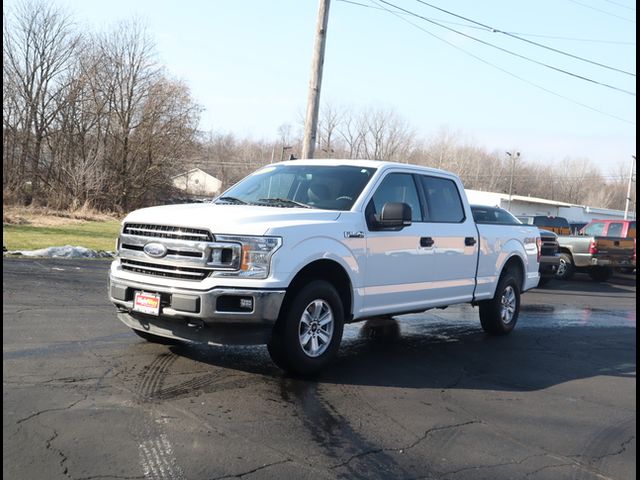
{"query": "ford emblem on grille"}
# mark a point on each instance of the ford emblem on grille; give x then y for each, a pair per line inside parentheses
(155, 250)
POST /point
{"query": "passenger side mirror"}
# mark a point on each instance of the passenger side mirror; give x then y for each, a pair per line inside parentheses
(395, 215)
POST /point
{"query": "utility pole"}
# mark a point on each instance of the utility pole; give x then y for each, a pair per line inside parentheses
(313, 99)
(288, 147)
(626, 206)
(513, 166)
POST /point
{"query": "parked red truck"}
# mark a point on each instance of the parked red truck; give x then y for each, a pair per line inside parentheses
(613, 228)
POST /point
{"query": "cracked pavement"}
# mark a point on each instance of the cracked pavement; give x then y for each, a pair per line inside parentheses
(427, 396)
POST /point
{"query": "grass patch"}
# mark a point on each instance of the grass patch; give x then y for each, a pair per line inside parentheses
(93, 235)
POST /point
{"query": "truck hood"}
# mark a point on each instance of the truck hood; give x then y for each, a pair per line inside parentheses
(229, 219)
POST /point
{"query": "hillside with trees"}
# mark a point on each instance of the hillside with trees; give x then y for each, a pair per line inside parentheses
(91, 119)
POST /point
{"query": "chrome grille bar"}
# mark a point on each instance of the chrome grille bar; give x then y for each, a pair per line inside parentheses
(163, 231)
(164, 270)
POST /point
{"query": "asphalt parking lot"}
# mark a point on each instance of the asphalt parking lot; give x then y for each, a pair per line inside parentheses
(427, 396)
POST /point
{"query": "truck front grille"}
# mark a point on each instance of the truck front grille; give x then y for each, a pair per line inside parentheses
(170, 251)
(549, 246)
(160, 270)
(163, 231)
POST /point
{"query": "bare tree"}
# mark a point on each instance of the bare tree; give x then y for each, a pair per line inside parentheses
(39, 43)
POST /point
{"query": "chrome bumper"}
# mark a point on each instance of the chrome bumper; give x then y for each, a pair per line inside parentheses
(550, 260)
(611, 262)
(213, 307)
(549, 265)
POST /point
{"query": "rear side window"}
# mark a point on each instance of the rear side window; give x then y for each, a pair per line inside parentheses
(443, 200)
(631, 232)
(615, 230)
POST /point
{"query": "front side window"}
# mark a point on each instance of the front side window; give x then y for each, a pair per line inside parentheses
(443, 200)
(397, 188)
(310, 186)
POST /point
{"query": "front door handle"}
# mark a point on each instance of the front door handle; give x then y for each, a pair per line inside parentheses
(426, 242)
(469, 241)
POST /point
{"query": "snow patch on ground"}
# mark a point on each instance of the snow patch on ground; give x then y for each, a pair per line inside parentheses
(67, 251)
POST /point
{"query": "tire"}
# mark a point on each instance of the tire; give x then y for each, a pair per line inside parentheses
(600, 274)
(566, 269)
(150, 337)
(499, 315)
(307, 335)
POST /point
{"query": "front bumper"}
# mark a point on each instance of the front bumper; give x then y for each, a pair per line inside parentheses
(549, 264)
(197, 316)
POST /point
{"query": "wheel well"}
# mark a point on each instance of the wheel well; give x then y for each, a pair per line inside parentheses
(514, 264)
(329, 271)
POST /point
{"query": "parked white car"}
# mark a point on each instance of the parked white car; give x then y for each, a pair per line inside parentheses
(297, 249)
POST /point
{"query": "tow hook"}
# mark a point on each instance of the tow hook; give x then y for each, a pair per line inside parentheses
(197, 324)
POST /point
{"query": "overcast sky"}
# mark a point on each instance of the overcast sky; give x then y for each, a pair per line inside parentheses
(248, 63)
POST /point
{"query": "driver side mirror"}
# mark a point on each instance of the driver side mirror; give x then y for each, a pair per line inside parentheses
(394, 216)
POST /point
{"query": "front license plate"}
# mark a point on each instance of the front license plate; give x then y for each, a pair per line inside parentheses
(148, 303)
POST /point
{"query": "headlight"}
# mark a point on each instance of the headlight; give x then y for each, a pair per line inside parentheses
(255, 255)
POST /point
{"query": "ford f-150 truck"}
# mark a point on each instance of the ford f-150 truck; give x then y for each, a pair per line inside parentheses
(297, 249)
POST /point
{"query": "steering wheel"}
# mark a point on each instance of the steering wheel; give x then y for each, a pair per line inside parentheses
(344, 198)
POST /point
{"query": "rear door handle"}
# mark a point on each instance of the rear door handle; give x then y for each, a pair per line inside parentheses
(469, 241)
(426, 242)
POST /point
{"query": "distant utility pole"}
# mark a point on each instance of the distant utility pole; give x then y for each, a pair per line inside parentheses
(513, 166)
(313, 99)
(626, 206)
(283, 150)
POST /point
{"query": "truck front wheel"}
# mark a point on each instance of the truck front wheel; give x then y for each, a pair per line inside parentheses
(307, 335)
(566, 269)
(499, 315)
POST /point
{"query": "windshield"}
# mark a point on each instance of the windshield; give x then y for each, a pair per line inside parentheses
(493, 215)
(309, 186)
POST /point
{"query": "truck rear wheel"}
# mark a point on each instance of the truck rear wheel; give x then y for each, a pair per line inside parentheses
(566, 269)
(600, 274)
(499, 315)
(307, 335)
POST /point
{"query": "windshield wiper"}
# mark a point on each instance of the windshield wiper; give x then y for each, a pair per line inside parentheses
(231, 200)
(283, 202)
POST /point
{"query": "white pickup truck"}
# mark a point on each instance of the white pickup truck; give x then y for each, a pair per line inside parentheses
(297, 249)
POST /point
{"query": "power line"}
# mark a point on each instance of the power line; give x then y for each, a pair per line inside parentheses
(602, 11)
(620, 5)
(497, 30)
(511, 52)
(573, 39)
(562, 177)
(508, 72)
(373, 7)
(466, 25)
